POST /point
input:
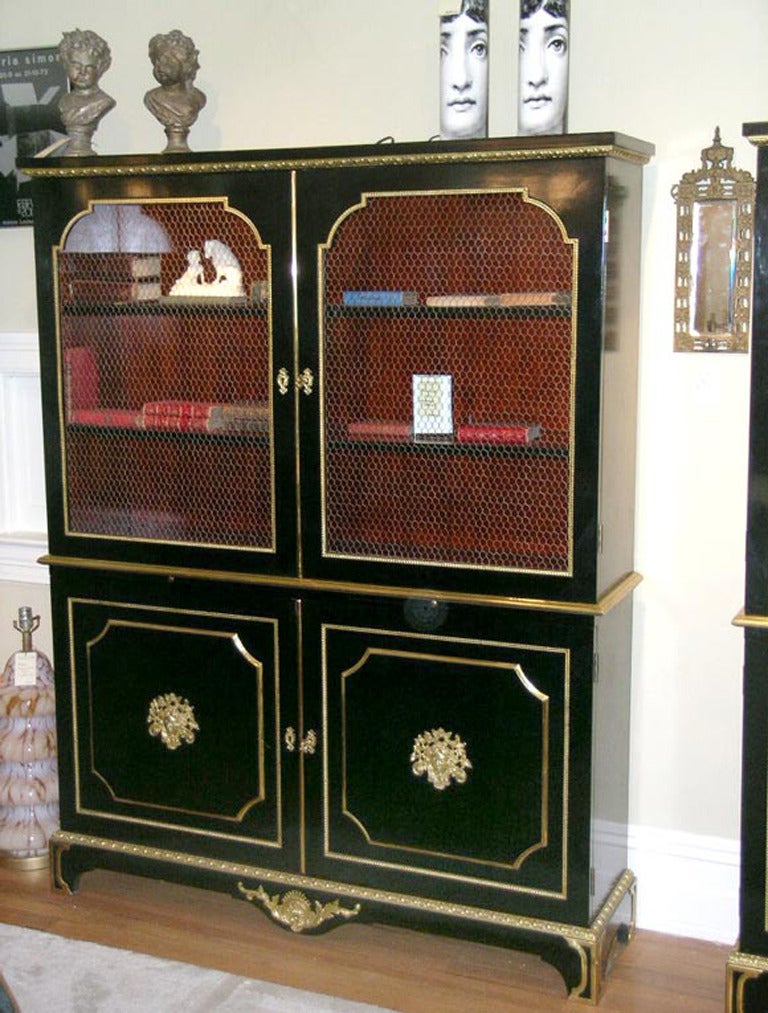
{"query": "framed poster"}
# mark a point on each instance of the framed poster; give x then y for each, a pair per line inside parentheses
(31, 83)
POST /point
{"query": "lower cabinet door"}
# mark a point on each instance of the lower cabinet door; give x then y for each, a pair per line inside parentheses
(455, 753)
(754, 799)
(175, 702)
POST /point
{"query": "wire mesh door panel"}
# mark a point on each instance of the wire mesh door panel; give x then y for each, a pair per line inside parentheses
(448, 379)
(165, 356)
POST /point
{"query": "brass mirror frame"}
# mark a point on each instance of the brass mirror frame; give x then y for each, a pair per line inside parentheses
(716, 181)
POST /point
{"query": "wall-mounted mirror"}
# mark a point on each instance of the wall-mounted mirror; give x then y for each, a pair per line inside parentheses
(713, 269)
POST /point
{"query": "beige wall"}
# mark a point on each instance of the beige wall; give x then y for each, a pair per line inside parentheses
(296, 73)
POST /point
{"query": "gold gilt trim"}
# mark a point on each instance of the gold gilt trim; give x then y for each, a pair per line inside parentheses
(604, 604)
(741, 968)
(750, 621)
(442, 756)
(295, 910)
(172, 718)
(587, 936)
(386, 157)
(716, 180)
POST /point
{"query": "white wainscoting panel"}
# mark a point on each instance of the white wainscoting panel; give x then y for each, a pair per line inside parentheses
(22, 480)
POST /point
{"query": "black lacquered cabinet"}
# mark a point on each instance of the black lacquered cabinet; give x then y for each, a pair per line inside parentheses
(747, 978)
(340, 460)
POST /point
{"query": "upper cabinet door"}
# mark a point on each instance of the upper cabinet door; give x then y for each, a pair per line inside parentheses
(172, 326)
(459, 318)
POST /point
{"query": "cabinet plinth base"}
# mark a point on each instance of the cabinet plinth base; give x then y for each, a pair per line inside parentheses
(746, 989)
(582, 955)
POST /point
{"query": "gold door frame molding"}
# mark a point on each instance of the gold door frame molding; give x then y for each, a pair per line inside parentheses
(113, 624)
(223, 201)
(511, 667)
(365, 198)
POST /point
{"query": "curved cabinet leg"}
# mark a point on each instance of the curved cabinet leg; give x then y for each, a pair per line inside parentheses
(584, 957)
(746, 987)
(65, 867)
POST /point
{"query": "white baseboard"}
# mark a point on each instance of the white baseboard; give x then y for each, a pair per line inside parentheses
(687, 884)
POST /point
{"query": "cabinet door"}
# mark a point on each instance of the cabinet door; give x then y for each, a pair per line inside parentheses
(449, 304)
(754, 806)
(172, 323)
(453, 760)
(171, 718)
(756, 601)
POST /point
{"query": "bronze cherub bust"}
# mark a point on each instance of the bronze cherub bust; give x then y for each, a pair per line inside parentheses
(176, 103)
(85, 56)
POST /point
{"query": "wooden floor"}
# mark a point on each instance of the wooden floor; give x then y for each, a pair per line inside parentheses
(402, 970)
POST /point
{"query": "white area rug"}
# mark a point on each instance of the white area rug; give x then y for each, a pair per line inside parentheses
(50, 974)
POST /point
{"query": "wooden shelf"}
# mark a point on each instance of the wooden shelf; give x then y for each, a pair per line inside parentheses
(538, 448)
(186, 435)
(421, 312)
(164, 309)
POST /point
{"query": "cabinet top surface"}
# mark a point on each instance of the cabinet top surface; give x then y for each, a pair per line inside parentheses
(757, 133)
(565, 146)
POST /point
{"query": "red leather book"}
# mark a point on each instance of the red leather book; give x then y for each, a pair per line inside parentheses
(370, 429)
(105, 417)
(179, 415)
(81, 379)
(502, 433)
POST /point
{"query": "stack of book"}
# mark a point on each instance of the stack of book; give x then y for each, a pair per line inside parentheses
(500, 299)
(96, 278)
(181, 416)
(376, 431)
(206, 416)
